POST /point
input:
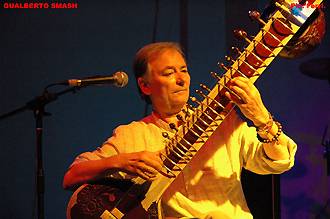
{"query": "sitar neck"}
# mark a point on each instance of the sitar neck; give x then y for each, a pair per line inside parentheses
(250, 63)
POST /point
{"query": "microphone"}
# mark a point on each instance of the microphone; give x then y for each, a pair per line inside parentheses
(118, 79)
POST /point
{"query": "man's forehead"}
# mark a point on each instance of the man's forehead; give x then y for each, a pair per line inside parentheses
(169, 52)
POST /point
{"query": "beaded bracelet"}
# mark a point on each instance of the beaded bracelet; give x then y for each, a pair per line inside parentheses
(265, 129)
(276, 136)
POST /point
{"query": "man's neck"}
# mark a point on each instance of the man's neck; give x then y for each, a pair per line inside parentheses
(169, 117)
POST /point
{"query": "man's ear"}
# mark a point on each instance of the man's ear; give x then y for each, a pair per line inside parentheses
(144, 86)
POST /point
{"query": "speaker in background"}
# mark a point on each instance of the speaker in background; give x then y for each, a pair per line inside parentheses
(262, 193)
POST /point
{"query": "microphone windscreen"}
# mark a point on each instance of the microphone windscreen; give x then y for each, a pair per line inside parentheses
(121, 79)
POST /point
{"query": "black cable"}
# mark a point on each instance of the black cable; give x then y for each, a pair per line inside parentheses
(154, 32)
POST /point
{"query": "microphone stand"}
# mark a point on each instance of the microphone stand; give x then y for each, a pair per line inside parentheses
(37, 105)
(326, 144)
(326, 155)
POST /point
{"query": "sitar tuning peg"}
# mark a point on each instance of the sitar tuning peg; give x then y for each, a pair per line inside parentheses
(241, 34)
(194, 100)
(236, 50)
(189, 107)
(220, 64)
(255, 16)
(186, 111)
(173, 127)
(204, 87)
(179, 117)
(229, 59)
(199, 92)
(165, 135)
(215, 75)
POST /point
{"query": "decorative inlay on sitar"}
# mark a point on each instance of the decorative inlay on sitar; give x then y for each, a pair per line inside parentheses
(138, 198)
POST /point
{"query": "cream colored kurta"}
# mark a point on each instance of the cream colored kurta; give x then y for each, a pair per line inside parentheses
(210, 186)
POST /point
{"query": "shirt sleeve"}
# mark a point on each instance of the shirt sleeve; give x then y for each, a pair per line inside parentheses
(106, 150)
(254, 157)
(121, 141)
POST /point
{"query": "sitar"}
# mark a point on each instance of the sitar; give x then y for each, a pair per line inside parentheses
(139, 198)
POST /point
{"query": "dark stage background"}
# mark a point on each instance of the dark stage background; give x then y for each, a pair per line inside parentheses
(43, 46)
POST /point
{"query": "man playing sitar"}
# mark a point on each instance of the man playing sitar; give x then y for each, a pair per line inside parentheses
(158, 146)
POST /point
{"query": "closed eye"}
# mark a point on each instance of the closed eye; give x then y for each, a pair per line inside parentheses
(168, 71)
(184, 69)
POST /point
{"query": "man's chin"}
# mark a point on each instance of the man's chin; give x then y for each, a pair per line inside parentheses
(178, 106)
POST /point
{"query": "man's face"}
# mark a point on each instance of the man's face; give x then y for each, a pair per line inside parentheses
(167, 82)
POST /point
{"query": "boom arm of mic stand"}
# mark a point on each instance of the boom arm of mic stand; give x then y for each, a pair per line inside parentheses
(38, 102)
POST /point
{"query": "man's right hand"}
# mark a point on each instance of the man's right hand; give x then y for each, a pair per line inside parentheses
(144, 164)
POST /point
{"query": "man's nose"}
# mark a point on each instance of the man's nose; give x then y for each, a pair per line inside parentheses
(180, 79)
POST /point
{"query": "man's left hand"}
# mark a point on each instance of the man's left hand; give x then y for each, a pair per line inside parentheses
(247, 97)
